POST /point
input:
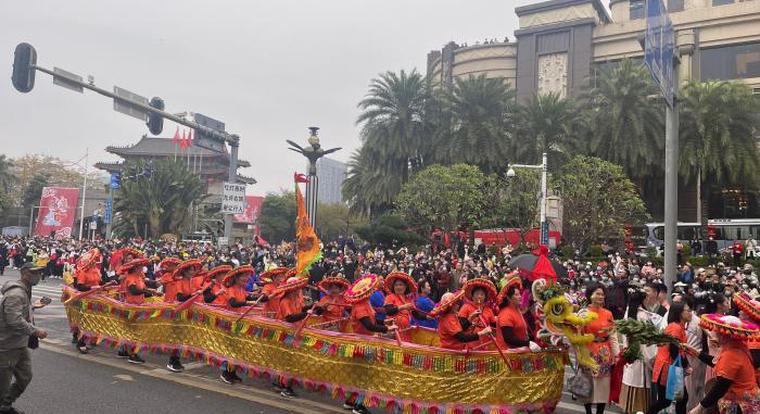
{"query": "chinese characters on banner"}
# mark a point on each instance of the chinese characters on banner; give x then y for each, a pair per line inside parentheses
(57, 212)
(251, 212)
(233, 198)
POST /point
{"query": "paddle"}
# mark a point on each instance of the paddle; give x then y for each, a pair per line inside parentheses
(82, 295)
(493, 340)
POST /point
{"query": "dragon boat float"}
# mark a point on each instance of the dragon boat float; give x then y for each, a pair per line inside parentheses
(409, 377)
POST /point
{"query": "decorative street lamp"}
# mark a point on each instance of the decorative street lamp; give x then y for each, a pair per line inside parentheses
(544, 224)
(312, 153)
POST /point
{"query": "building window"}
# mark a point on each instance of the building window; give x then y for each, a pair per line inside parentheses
(722, 2)
(675, 5)
(731, 62)
(637, 9)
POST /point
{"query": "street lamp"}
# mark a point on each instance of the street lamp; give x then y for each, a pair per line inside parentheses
(544, 224)
(312, 154)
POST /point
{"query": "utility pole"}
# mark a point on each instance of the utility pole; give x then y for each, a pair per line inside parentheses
(129, 103)
(84, 194)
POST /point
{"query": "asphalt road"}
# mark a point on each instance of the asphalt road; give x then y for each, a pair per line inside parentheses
(67, 382)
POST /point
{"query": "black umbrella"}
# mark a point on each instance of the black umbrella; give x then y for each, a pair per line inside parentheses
(527, 262)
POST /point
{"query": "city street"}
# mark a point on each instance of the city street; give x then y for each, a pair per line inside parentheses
(126, 388)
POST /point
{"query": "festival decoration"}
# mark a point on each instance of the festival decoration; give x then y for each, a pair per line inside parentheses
(641, 333)
(307, 242)
(415, 378)
(58, 208)
(560, 320)
(730, 326)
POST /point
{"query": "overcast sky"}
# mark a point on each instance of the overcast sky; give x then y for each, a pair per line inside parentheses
(268, 69)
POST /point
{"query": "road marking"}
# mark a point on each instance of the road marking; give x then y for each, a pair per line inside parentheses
(247, 393)
(124, 377)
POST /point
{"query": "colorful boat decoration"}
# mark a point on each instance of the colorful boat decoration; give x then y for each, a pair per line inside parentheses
(412, 378)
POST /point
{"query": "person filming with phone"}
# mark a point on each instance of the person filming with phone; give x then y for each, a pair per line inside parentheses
(17, 335)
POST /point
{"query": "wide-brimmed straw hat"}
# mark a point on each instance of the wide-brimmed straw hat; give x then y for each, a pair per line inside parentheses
(232, 275)
(749, 306)
(730, 326)
(218, 270)
(390, 280)
(268, 276)
(362, 288)
(328, 282)
(447, 301)
(187, 264)
(140, 261)
(89, 259)
(480, 283)
(169, 261)
(292, 284)
(512, 281)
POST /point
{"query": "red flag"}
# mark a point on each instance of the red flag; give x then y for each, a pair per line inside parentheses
(175, 139)
(190, 138)
(183, 141)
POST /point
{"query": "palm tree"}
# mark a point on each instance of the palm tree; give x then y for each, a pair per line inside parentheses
(545, 124)
(475, 127)
(158, 197)
(718, 134)
(393, 118)
(625, 127)
(6, 175)
(371, 184)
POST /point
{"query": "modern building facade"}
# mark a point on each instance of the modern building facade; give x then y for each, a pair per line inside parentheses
(560, 44)
(330, 174)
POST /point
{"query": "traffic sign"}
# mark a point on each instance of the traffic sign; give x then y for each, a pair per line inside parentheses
(204, 140)
(659, 48)
(64, 78)
(108, 212)
(123, 105)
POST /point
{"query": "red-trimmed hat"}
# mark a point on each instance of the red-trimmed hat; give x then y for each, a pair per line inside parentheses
(481, 283)
(749, 306)
(218, 270)
(89, 259)
(512, 281)
(362, 288)
(127, 250)
(140, 261)
(231, 276)
(447, 301)
(390, 280)
(267, 276)
(341, 282)
(730, 326)
(293, 283)
(169, 261)
(187, 264)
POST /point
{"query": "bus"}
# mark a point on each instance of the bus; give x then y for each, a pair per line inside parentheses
(723, 231)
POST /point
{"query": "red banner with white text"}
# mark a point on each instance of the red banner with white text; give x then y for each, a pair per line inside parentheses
(58, 210)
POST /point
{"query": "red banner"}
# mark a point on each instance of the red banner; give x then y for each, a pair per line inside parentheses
(58, 207)
(251, 212)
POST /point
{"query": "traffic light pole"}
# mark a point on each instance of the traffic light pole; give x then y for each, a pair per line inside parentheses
(671, 185)
(232, 140)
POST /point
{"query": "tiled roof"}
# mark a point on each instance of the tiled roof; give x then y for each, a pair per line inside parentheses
(165, 146)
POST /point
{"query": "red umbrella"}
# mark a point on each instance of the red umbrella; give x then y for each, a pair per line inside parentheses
(540, 268)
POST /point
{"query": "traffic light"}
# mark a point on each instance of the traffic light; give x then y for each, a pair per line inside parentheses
(156, 121)
(24, 60)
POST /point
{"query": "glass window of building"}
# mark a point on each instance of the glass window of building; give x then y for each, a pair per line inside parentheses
(637, 9)
(675, 5)
(721, 2)
(731, 62)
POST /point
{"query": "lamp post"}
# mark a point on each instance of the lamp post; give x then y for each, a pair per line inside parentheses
(312, 153)
(544, 224)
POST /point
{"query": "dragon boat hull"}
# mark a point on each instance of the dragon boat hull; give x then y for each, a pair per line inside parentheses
(413, 378)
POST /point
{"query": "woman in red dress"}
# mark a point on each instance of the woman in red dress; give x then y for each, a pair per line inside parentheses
(333, 306)
(399, 303)
(679, 315)
(453, 329)
(511, 328)
(735, 390)
(480, 295)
